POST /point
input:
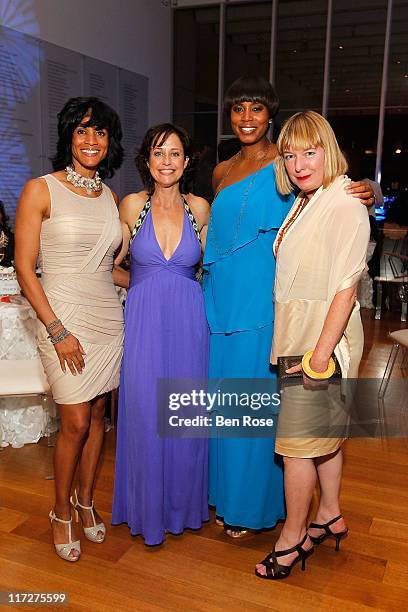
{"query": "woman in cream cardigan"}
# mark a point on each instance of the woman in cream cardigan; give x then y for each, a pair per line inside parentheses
(320, 251)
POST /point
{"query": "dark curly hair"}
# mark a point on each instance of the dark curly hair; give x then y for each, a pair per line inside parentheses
(4, 220)
(252, 89)
(102, 116)
(156, 136)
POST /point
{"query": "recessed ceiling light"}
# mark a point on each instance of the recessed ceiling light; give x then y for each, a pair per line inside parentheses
(398, 151)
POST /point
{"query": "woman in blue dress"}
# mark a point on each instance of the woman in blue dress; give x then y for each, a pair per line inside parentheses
(245, 477)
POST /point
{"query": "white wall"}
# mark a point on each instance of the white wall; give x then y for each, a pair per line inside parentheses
(131, 34)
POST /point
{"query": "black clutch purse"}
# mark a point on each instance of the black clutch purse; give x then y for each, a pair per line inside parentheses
(287, 362)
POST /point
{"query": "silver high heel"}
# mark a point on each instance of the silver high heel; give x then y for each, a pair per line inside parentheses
(91, 533)
(64, 550)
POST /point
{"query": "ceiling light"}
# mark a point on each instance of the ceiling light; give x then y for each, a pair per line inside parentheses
(340, 47)
(398, 151)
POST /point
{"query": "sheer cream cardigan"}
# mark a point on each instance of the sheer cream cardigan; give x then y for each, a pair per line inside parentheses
(322, 253)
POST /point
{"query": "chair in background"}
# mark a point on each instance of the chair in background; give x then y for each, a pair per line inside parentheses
(400, 339)
(393, 265)
(24, 378)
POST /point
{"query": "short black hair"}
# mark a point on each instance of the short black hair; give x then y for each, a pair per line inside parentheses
(156, 136)
(102, 116)
(252, 89)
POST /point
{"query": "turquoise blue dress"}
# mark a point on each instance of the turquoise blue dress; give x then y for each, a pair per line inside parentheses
(245, 476)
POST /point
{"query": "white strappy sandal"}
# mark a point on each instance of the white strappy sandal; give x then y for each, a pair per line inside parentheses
(64, 550)
(96, 533)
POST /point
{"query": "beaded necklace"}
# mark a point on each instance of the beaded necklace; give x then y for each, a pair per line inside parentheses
(211, 228)
(286, 226)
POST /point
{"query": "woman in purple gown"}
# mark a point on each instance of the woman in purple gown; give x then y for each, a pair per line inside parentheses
(161, 483)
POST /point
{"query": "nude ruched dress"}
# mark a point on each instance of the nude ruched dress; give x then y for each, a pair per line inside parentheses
(77, 246)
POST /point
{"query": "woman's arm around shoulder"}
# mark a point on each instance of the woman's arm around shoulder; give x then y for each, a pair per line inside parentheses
(363, 191)
(346, 213)
(129, 210)
(201, 211)
(115, 197)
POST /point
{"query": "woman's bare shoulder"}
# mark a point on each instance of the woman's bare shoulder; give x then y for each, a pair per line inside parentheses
(131, 206)
(218, 173)
(35, 195)
(199, 207)
(36, 186)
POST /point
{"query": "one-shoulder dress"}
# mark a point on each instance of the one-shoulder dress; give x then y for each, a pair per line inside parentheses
(245, 476)
(77, 246)
(161, 484)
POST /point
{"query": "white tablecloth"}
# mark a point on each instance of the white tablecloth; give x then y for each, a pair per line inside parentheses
(22, 419)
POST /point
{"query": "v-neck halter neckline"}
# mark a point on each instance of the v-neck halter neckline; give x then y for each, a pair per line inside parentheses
(157, 241)
(143, 216)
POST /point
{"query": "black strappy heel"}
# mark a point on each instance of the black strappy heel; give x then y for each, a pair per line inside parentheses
(276, 571)
(328, 532)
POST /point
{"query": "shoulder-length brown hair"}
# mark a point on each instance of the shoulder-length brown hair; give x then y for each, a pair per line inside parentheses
(156, 136)
(303, 131)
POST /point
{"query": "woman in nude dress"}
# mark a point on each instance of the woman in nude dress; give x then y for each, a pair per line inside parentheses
(70, 219)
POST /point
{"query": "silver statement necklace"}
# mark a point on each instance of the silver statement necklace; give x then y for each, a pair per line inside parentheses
(77, 180)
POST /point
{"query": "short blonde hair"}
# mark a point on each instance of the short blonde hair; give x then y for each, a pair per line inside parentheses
(303, 131)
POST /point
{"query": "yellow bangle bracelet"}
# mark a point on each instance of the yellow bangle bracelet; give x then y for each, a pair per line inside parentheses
(331, 367)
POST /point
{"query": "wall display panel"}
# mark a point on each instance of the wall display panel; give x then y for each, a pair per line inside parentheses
(61, 78)
(102, 81)
(357, 53)
(133, 94)
(20, 136)
(36, 80)
(300, 52)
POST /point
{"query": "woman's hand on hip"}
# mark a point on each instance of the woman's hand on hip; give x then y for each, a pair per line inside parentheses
(70, 353)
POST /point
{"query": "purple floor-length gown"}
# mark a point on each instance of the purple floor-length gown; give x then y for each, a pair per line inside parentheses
(160, 483)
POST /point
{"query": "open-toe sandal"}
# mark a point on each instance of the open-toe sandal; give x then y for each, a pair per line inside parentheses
(328, 533)
(276, 571)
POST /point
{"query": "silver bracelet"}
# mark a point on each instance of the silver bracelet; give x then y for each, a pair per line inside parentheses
(53, 325)
(61, 336)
